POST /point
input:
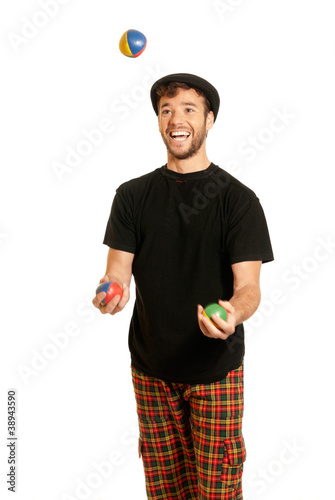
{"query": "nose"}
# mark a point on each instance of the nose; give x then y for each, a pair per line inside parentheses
(176, 118)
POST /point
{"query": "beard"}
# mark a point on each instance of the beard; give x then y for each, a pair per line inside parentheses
(196, 143)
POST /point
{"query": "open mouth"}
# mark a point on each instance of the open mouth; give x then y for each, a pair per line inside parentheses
(180, 135)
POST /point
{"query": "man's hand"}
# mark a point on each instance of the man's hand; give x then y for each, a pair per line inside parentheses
(115, 305)
(225, 328)
(119, 269)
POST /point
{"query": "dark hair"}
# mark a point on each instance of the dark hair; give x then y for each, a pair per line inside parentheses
(170, 90)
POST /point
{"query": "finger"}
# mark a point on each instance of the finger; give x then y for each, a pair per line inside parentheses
(110, 307)
(200, 321)
(228, 327)
(205, 324)
(227, 306)
(203, 327)
(199, 312)
(117, 307)
(105, 279)
(121, 302)
(221, 323)
(98, 299)
(200, 317)
(211, 331)
(125, 297)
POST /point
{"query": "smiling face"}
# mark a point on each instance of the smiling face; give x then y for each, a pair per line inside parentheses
(183, 123)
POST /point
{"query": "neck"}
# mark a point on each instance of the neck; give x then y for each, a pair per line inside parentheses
(193, 164)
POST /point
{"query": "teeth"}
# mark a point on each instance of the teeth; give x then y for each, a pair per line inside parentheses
(176, 134)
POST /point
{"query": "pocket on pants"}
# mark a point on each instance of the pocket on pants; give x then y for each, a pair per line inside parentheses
(232, 466)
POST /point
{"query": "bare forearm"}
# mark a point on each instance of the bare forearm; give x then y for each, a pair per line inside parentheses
(119, 270)
(245, 301)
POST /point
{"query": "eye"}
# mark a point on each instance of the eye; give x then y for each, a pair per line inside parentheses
(189, 110)
(165, 111)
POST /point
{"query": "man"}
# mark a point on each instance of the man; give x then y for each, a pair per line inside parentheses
(191, 234)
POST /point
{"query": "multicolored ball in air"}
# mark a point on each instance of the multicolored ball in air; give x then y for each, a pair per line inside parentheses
(132, 43)
(111, 289)
(215, 309)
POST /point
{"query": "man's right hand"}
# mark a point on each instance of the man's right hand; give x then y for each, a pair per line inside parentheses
(115, 305)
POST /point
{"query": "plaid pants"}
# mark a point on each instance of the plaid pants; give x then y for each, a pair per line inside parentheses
(191, 439)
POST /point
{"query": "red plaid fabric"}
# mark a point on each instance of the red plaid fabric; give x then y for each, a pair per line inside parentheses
(191, 438)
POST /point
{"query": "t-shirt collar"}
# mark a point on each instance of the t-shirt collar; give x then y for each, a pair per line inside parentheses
(200, 174)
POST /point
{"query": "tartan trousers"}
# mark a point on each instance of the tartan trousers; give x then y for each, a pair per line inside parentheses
(191, 439)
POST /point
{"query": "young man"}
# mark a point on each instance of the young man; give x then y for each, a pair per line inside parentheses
(191, 234)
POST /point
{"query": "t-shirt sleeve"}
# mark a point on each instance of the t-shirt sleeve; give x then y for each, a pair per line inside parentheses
(120, 231)
(248, 235)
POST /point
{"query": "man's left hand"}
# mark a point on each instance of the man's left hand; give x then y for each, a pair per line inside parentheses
(224, 328)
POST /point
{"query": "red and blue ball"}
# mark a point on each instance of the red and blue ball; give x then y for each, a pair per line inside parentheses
(111, 289)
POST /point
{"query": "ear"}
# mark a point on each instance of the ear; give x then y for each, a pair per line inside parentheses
(210, 120)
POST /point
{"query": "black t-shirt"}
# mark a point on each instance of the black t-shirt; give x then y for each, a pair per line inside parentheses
(186, 230)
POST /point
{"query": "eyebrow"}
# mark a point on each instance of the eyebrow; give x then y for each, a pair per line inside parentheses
(182, 104)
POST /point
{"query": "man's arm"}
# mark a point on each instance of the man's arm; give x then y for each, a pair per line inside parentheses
(242, 305)
(119, 269)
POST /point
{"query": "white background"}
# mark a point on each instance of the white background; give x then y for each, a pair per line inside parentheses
(62, 74)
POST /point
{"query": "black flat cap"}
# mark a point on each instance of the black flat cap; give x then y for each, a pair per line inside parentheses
(193, 81)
